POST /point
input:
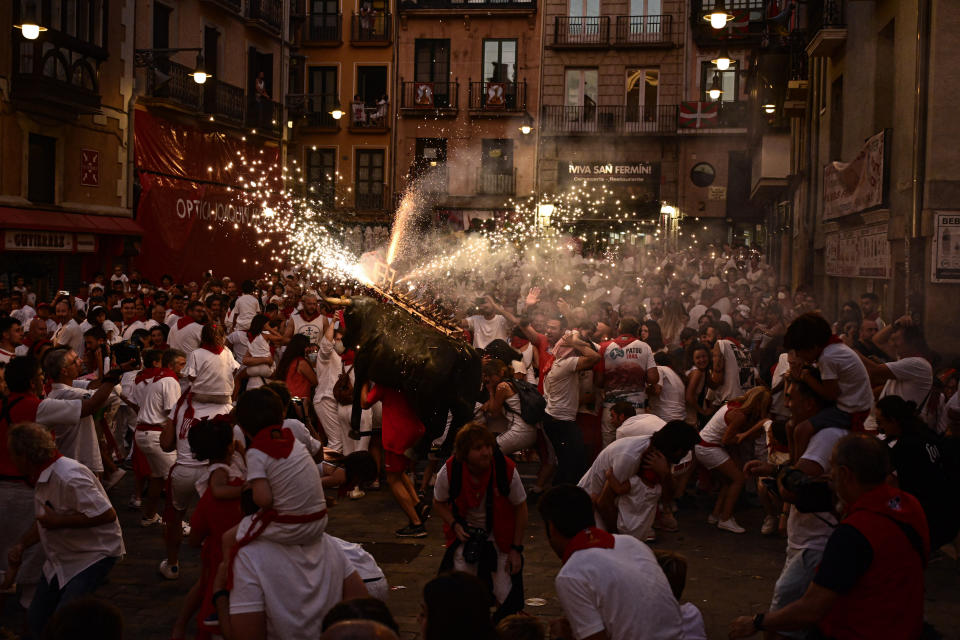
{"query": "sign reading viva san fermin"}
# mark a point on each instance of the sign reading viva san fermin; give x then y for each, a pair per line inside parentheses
(632, 182)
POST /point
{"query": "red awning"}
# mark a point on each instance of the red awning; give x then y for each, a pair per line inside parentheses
(39, 220)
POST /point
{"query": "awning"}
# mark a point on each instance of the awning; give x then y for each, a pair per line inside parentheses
(40, 220)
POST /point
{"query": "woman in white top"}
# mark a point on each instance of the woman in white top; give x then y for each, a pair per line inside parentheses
(504, 401)
(259, 358)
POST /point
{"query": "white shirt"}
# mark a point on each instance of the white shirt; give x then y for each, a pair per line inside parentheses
(486, 330)
(73, 489)
(294, 609)
(912, 381)
(625, 361)
(294, 480)
(561, 388)
(364, 563)
(211, 373)
(642, 424)
(77, 440)
(477, 517)
(303, 436)
(716, 427)
(623, 456)
(69, 334)
(806, 530)
(127, 330)
(671, 404)
(186, 339)
(329, 368)
(693, 626)
(313, 329)
(239, 344)
(946, 423)
(841, 363)
(52, 412)
(730, 388)
(246, 307)
(157, 400)
(599, 590)
(259, 348)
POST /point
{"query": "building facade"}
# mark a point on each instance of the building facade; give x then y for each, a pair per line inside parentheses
(65, 209)
(467, 82)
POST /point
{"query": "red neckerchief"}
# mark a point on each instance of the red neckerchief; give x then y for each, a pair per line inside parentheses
(184, 321)
(589, 538)
(276, 441)
(212, 349)
(348, 357)
(33, 477)
(835, 339)
(251, 337)
(307, 318)
(174, 313)
(623, 340)
(518, 343)
(154, 374)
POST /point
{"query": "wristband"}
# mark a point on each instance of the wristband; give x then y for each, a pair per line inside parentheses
(223, 593)
(758, 622)
(517, 547)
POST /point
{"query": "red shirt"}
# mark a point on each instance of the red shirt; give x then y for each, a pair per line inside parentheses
(401, 426)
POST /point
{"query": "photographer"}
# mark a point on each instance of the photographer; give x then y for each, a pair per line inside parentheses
(870, 582)
(807, 533)
(481, 501)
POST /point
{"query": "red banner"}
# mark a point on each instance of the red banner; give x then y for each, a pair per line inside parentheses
(193, 207)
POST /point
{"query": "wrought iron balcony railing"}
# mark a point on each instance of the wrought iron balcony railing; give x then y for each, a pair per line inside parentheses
(493, 98)
(268, 13)
(496, 184)
(374, 28)
(325, 27)
(313, 109)
(461, 5)
(223, 100)
(429, 97)
(644, 31)
(659, 120)
(576, 31)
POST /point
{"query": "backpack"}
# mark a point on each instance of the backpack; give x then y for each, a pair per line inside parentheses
(533, 406)
(343, 388)
(748, 371)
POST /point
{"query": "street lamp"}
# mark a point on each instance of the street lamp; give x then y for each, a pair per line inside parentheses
(526, 125)
(719, 17)
(336, 112)
(722, 61)
(148, 58)
(30, 25)
(200, 74)
(715, 89)
(769, 108)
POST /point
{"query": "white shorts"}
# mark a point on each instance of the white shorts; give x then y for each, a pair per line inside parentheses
(711, 457)
(160, 461)
(502, 584)
(183, 485)
(518, 436)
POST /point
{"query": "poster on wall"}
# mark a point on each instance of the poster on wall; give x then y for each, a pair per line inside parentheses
(946, 248)
(863, 252)
(636, 183)
(858, 185)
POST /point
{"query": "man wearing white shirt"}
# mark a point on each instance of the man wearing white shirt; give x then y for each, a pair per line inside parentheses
(185, 333)
(487, 326)
(246, 307)
(129, 324)
(11, 336)
(67, 332)
(77, 440)
(76, 524)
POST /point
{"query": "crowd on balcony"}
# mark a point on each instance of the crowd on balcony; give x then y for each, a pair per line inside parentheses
(633, 388)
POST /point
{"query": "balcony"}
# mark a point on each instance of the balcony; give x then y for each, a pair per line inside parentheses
(496, 184)
(744, 30)
(364, 119)
(324, 29)
(828, 26)
(644, 31)
(223, 101)
(371, 30)
(729, 117)
(594, 119)
(581, 32)
(233, 6)
(57, 70)
(180, 89)
(370, 197)
(313, 109)
(265, 116)
(468, 6)
(493, 99)
(266, 14)
(438, 99)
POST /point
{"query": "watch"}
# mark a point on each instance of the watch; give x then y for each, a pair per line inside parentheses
(517, 547)
(758, 622)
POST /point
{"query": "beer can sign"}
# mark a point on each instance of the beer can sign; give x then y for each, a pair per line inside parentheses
(946, 248)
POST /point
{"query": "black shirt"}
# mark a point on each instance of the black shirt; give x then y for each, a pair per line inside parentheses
(846, 558)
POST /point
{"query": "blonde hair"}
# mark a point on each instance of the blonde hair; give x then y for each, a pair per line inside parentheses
(32, 442)
(755, 402)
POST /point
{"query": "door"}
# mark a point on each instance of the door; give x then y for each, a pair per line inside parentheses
(581, 99)
(584, 20)
(369, 179)
(371, 85)
(645, 20)
(322, 96)
(431, 162)
(161, 34)
(432, 66)
(324, 20)
(642, 89)
(321, 176)
(496, 167)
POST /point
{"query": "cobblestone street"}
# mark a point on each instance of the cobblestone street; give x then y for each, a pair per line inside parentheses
(728, 574)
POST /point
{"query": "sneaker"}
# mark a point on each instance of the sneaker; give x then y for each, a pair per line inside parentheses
(651, 537)
(185, 528)
(149, 522)
(667, 522)
(712, 519)
(134, 502)
(731, 526)
(375, 485)
(356, 493)
(412, 531)
(769, 526)
(111, 479)
(168, 571)
(212, 621)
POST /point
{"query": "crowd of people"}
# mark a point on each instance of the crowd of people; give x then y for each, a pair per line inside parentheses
(629, 392)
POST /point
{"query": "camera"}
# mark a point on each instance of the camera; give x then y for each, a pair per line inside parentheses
(812, 495)
(473, 548)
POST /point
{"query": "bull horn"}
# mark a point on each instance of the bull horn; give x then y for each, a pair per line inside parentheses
(339, 302)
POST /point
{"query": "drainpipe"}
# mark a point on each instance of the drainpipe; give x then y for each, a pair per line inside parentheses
(913, 241)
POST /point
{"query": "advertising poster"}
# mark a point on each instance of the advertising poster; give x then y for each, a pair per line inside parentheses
(858, 253)
(946, 248)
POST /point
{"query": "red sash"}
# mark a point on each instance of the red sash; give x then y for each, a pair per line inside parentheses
(261, 520)
(276, 441)
(589, 538)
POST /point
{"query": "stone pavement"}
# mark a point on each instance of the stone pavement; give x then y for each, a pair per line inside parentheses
(728, 574)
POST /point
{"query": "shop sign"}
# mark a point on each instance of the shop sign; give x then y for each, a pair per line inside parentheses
(637, 182)
(86, 243)
(946, 248)
(858, 253)
(717, 193)
(860, 185)
(38, 241)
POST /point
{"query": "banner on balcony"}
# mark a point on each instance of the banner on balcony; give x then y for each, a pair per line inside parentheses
(699, 115)
(192, 206)
(633, 183)
(859, 185)
(863, 252)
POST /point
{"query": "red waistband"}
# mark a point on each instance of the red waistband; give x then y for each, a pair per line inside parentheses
(704, 443)
(149, 427)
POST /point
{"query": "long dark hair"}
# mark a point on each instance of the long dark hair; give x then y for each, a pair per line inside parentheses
(257, 324)
(655, 335)
(458, 606)
(296, 348)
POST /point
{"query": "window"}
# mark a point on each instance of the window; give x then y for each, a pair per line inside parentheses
(369, 179)
(323, 96)
(322, 176)
(496, 167)
(836, 119)
(42, 169)
(645, 7)
(581, 88)
(324, 20)
(642, 91)
(431, 161)
(371, 85)
(432, 65)
(499, 60)
(645, 18)
(729, 81)
(161, 34)
(584, 17)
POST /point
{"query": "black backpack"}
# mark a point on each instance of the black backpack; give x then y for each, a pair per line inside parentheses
(533, 406)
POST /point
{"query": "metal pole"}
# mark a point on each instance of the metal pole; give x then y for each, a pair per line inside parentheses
(913, 244)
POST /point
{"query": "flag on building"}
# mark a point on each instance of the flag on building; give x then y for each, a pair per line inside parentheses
(699, 115)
